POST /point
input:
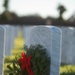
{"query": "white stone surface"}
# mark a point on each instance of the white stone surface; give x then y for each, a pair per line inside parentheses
(73, 47)
(50, 38)
(9, 42)
(67, 45)
(2, 37)
(14, 33)
(16, 30)
(11, 34)
(26, 33)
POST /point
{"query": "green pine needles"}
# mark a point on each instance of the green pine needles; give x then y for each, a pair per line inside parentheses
(40, 60)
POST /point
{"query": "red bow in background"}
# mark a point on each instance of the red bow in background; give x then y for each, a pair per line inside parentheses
(25, 63)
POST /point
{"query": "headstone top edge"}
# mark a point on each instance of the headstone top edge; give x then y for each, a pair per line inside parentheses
(51, 27)
(2, 27)
(55, 27)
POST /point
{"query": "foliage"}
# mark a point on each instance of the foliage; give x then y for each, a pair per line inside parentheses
(39, 62)
(72, 73)
(61, 10)
(6, 4)
(6, 15)
(67, 70)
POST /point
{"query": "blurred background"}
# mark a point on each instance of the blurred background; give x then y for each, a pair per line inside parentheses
(37, 12)
(16, 13)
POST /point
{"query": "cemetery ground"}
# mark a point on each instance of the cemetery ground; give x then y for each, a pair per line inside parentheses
(18, 48)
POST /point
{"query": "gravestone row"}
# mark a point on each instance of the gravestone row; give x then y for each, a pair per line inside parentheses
(68, 43)
(50, 38)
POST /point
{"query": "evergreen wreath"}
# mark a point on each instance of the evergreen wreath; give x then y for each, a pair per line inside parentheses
(34, 61)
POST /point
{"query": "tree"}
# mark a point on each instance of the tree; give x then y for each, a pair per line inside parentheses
(6, 4)
(61, 10)
(6, 15)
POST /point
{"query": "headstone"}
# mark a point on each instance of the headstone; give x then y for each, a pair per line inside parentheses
(50, 38)
(2, 37)
(73, 46)
(67, 44)
(16, 30)
(9, 42)
(14, 33)
(26, 33)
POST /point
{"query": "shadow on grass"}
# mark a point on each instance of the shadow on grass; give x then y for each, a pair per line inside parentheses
(72, 73)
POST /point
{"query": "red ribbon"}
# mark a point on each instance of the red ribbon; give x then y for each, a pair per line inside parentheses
(25, 63)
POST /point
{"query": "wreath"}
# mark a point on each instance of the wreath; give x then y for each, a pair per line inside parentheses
(33, 61)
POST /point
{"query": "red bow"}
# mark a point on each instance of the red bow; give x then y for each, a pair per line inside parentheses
(25, 63)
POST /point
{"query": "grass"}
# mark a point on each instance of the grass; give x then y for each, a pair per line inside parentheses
(67, 70)
(18, 48)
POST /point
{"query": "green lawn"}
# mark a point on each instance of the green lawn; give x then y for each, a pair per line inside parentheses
(18, 48)
(67, 70)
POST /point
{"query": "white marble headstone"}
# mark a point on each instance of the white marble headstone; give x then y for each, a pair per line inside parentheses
(26, 33)
(2, 37)
(9, 42)
(73, 46)
(67, 44)
(50, 38)
(15, 30)
(14, 33)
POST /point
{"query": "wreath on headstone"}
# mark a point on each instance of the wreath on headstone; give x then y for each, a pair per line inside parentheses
(34, 61)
